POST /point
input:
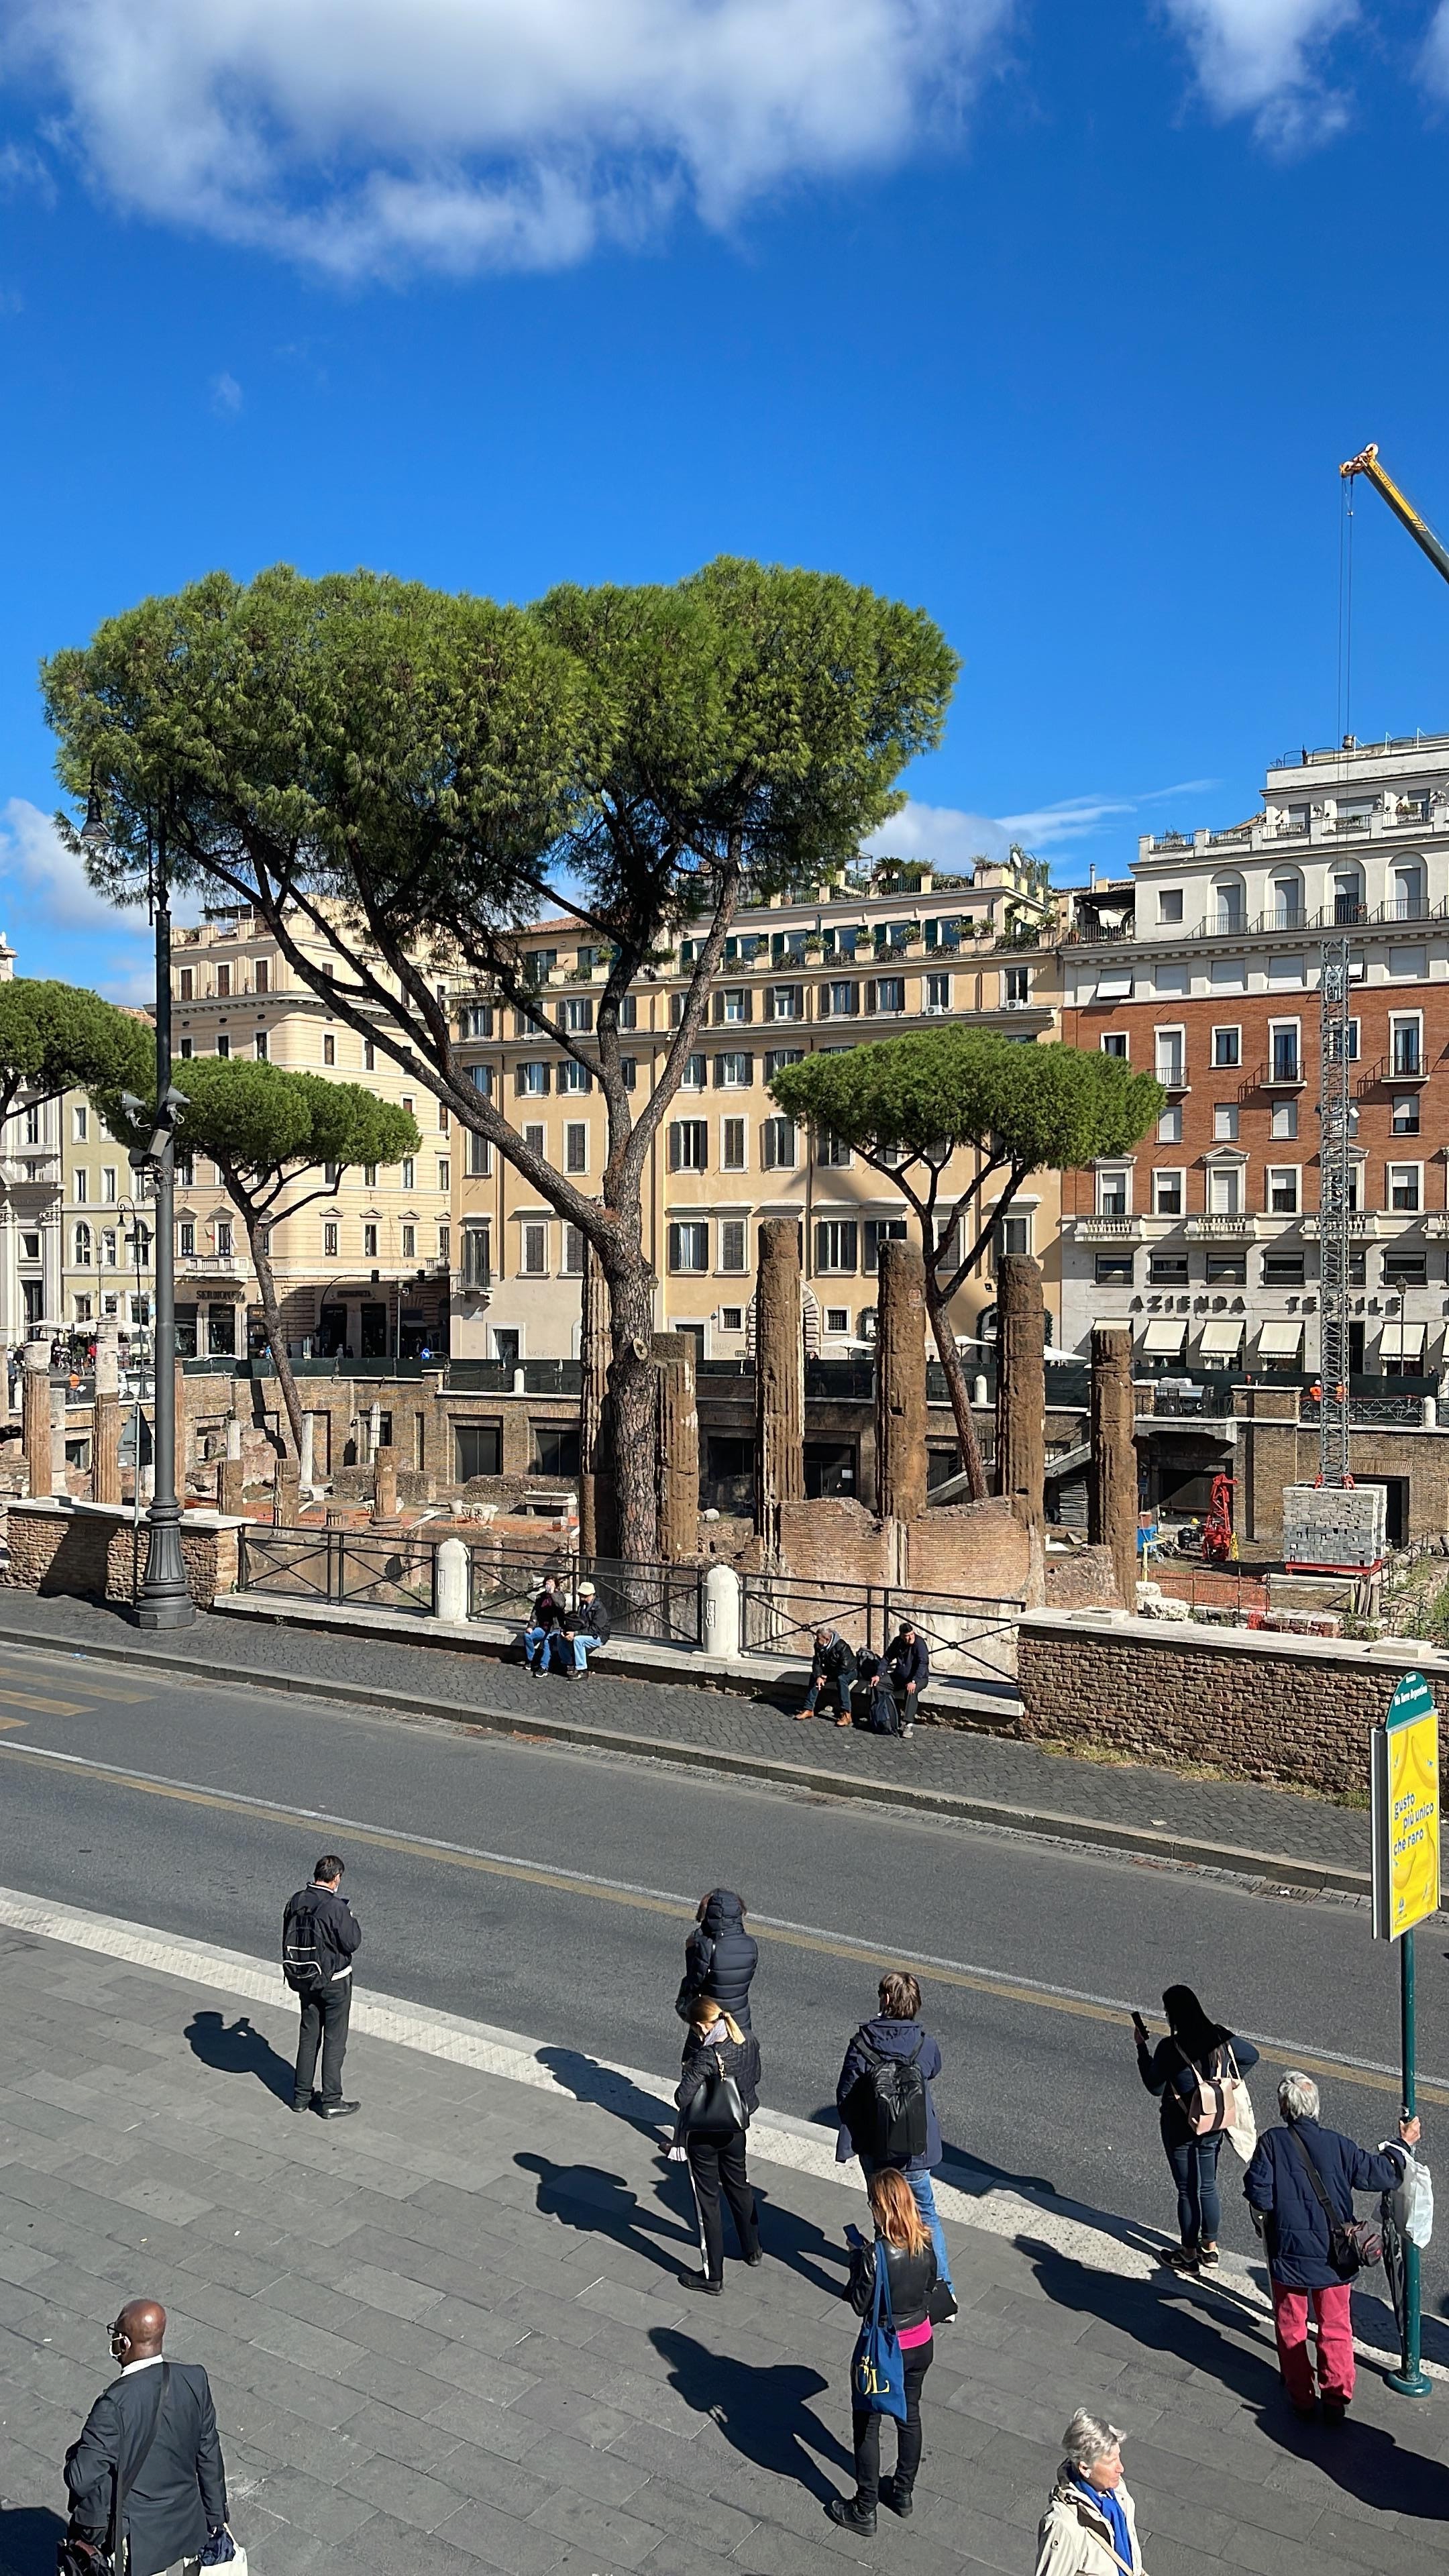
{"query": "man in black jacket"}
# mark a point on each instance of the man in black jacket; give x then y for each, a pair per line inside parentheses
(320, 1935)
(832, 1676)
(908, 1669)
(176, 2496)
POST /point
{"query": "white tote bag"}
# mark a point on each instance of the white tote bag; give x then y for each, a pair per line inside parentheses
(1241, 2126)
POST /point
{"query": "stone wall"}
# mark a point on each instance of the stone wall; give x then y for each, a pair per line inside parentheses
(90, 1551)
(1257, 1708)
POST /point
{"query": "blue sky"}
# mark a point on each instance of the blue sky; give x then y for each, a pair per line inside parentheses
(1057, 320)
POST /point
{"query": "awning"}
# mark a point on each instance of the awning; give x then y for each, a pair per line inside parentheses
(1401, 1341)
(1165, 1338)
(1280, 1339)
(1115, 985)
(1222, 1338)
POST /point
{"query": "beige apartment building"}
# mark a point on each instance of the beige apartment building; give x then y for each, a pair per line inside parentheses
(864, 960)
(107, 1270)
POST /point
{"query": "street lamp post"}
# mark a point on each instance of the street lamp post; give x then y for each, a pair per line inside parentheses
(165, 1599)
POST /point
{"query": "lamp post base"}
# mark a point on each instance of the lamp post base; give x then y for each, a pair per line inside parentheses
(1410, 2383)
(165, 1596)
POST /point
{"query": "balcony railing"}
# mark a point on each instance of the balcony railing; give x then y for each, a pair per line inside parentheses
(1109, 1229)
(1172, 1074)
(1235, 1225)
(1285, 1073)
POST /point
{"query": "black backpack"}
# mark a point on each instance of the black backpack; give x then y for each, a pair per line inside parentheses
(887, 2108)
(303, 1966)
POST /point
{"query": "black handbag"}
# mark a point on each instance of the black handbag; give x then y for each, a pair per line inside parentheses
(714, 2114)
(1353, 2243)
(75, 2556)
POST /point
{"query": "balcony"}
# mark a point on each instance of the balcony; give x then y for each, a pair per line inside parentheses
(1172, 1074)
(1409, 907)
(1407, 1067)
(1286, 917)
(1285, 1073)
(1223, 1226)
(1363, 1226)
(210, 1265)
(1109, 1229)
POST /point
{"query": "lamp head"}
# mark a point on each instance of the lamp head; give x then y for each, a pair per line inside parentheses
(94, 832)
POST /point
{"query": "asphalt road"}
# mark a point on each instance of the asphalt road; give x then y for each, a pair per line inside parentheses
(1038, 2086)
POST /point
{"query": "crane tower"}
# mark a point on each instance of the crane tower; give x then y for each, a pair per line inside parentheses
(1335, 1116)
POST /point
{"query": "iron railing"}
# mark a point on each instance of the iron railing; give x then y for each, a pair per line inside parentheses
(349, 1566)
(661, 1602)
(968, 1638)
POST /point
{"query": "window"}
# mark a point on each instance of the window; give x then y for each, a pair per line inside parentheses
(1013, 1235)
(262, 976)
(786, 1002)
(481, 1077)
(689, 1246)
(1284, 1121)
(477, 1450)
(82, 1244)
(32, 1126)
(836, 1245)
(1283, 1039)
(1227, 1046)
(1230, 904)
(574, 1251)
(732, 1007)
(30, 1247)
(1167, 1269)
(445, 1238)
(329, 1241)
(777, 1145)
(223, 1048)
(734, 1072)
(445, 1172)
(369, 1243)
(693, 1076)
(689, 1145)
(1405, 1266)
(534, 1263)
(576, 1146)
(574, 1079)
(81, 1125)
(676, 1009)
(837, 1319)
(369, 1176)
(938, 989)
(1114, 1269)
(1405, 1188)
(409, 1243)
(186, 984)
(1169, 1125)
(185, 1050)
(629, 1072)
(530, 1081)
(1168, 1057)
(260, 1046)
(1112, 1193)
(533, 1139)
(1348, 903)
(733, 1235)
(185, 1172)
(1015, 987)
(830, 1152)
(1406, 1042)
(782, 1057)
(629, 1011)
(1115, 1043)
(1227, 1270)
(1283, 1190)
(1167, 1193)
(1406, 1114)
(1169, 903)
(1358, 1269)
(1288, 912)
(732, 1319)
(223, 983)
(477, 1254)
(477, 1021)
(1282, 1269)
(329, 1050)
(108, 1249)
(81, 1188)
(577, 1016)
(556, 1449)
(732, 1145)
(108, 1184)
(1225, 1190)
(1225, 1122)
(839, 1001)
(890, 993)
(186, 1239)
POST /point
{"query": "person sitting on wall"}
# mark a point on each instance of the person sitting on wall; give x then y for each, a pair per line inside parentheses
(832, 1676)
(591, 1627)
(546, 1623)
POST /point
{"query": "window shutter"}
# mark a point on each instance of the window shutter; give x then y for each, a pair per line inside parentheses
(719, 1072)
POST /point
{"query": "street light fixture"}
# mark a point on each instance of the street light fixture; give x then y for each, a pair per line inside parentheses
(165, 1598)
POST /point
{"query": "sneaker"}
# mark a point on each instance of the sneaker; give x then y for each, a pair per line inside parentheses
(1208, 2258)
(1180, 2258)
(907, 1730)
(897, 2500)
(852, 2516)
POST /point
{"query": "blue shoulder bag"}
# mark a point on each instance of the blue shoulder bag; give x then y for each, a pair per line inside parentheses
(877, 2373)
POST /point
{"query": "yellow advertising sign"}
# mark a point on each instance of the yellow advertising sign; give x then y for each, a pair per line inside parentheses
(1406, 1811)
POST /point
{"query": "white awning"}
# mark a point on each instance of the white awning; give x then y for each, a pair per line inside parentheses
(1280, 1339)
(1115, 985)
(1165, 1338)
(1401, 1341)
(1222, 1338)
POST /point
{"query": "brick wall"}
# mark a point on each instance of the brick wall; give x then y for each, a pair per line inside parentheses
(1295, 1715)
(90, 1552)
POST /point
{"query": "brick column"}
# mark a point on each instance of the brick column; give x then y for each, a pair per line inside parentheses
(229, 1473)
(779, 1376)
(35, 1415)
(678, 1447)
(1021, 1407)
(900, 1384)
(1112, 1476)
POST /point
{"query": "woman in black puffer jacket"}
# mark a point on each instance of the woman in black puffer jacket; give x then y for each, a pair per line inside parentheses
(911, 2275)
(719, 1958)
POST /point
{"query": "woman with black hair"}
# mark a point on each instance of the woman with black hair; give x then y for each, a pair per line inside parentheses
(1196, 2051)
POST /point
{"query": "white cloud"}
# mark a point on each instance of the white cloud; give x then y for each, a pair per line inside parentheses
(1435, 63)
(360, 136)
(36, 864)
(1262, 58)
(59, 923)
(226, 396)
(950, 838)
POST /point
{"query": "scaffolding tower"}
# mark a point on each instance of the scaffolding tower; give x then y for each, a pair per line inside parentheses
(1335, 1129)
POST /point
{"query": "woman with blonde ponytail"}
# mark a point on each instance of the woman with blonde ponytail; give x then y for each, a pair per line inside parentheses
(719, 2087)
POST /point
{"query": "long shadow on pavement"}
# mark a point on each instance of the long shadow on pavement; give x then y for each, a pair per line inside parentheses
(28, 2537)
(602, 2204)
(235, 2048)
(763, 2414)
(588, 2081)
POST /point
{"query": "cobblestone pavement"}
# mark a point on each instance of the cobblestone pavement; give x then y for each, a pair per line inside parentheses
(449, 2334)
(1231, 1814)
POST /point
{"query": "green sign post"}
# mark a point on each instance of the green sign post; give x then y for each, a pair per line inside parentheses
(1404, 1800)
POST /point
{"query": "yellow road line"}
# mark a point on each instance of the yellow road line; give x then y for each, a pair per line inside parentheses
(47, 1707)
(11, 1721)
(1002, 1989)
(92, 1690)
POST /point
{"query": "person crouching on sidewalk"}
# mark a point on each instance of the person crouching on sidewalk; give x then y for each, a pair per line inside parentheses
(719, 2088)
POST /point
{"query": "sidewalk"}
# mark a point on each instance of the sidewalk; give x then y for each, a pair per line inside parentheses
(1227, 1824)
(447, 2335)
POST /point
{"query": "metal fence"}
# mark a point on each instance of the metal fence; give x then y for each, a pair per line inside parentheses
(661, 1602)
(396, 1573)
(969, 1638)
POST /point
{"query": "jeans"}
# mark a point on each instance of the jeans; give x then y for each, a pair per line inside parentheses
(1195, 2172)
(324, 2019)
(714, 2169)
(549, 1646)
(584, 1646)
(835, 1694)
(925, 2200)
(865, 2430)
(1335, 2342)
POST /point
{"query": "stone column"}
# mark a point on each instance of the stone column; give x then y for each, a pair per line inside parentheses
(229, 1472)
(722, 1612)
(452, 1586)
(35, 1415)
(58, 1395)
(384, 1483)
(106, 1424)
(374, 1431)
(678, 1447)
(233, 1435)
(779, 1376)
(900, 1384)
(597, 1534)
(1021, 1407)
(286, 1498)
(305, 1464)
(1112, 1476)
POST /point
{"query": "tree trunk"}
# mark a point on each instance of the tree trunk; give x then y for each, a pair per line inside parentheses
(596, 1501)
(956, 1387)
(276, 1339)
(633, 1421)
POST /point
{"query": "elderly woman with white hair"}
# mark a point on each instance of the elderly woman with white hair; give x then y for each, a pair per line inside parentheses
(1300, 2187)
(1089, 2527)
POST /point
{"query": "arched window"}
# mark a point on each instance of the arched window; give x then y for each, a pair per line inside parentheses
(1407, 901)
(1230, 904)
(1288, 911)
(1348, 904)
(82, 1247)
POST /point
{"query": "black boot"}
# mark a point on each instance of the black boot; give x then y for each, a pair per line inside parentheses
(851, 2514)
(895, 2497)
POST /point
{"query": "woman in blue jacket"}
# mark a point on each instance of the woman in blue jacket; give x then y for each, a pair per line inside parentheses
(1298, 2233)
(1194, 2050)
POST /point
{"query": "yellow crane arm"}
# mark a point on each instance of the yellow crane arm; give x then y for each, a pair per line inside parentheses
(1402, 507)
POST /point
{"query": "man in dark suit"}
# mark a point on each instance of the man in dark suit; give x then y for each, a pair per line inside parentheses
(179, 2495)
(320, 1936)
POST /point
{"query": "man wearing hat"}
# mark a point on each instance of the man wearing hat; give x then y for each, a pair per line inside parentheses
(589, 1625)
